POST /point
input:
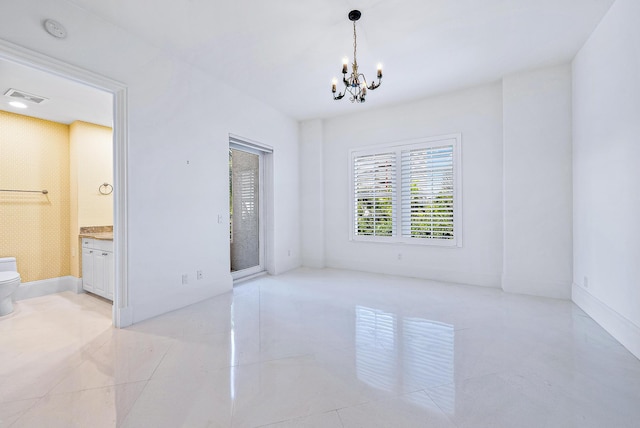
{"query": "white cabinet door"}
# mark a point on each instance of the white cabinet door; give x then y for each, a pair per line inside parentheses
(99, 272)
(87, 268)
(97, 267)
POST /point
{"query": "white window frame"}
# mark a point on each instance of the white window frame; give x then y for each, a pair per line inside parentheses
(398, 147)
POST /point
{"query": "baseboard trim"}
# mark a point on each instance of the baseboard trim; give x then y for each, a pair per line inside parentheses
(124, 317)
(248, 277)
(313, 263)
(623, 330)
(537, 287)
(412, 270)
(31, 289)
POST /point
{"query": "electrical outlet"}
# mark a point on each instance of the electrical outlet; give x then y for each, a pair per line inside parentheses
(199, 275)
(289, 253)
(185, 279)
(399, 256)
(586, 282)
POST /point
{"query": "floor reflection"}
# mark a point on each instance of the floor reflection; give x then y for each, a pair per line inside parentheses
(232, 356)
(400, 354)
(328, 349)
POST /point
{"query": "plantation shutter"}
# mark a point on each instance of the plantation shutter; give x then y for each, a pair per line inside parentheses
(374, 194)
(427, 192)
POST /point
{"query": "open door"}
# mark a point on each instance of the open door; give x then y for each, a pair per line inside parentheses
(246, 208)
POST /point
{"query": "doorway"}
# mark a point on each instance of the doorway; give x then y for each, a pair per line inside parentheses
(247, 209)
(121, 313)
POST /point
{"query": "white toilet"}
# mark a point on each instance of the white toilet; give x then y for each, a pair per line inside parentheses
(9, 282)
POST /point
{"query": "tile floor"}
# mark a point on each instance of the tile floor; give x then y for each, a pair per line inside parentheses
(318, 349)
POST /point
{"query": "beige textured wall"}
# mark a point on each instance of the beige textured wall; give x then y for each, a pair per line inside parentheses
(91, 163)
(34, 228)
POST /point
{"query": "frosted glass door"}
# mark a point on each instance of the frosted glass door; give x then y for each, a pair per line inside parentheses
(244, 174)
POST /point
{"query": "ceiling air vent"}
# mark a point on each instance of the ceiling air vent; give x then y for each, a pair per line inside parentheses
(25, 96)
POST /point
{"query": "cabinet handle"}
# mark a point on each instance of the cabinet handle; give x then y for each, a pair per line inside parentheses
(104, 254)
(91, 252)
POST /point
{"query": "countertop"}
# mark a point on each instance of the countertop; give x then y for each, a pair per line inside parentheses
(105, 236)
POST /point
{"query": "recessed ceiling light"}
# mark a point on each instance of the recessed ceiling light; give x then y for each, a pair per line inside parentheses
(17, 104)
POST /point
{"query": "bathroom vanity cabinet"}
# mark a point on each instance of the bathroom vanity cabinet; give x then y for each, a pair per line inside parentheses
(97, 267)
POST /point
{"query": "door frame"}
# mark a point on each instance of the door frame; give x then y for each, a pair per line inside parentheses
(122, 309)
(265, 205)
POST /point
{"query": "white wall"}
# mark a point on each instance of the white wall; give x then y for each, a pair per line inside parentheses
(537, 182)
(606, 174)
(177, 113)
(477, 114)
(516, 184)
(312, 193)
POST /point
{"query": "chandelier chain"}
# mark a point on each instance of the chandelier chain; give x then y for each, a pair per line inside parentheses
(355, 44)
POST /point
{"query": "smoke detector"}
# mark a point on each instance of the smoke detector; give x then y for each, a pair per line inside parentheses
(55, 28)
(25, 96)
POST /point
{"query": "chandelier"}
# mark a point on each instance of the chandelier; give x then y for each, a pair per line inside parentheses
(356, 83)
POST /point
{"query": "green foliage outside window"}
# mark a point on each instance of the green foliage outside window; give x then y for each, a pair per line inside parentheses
(375, 216)
(432, 217)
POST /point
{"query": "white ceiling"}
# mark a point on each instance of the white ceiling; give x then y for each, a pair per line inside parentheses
(68, 101)
(285, 52)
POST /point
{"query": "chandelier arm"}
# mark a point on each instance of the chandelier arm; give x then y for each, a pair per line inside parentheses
(341, 94)
(357, 94)
(353, 96)
(375, 85)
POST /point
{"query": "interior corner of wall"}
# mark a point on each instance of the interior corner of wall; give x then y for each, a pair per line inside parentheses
(621, 328)
(555, 289)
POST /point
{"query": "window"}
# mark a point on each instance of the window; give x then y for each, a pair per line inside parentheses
(408, 192)
(375, 189)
